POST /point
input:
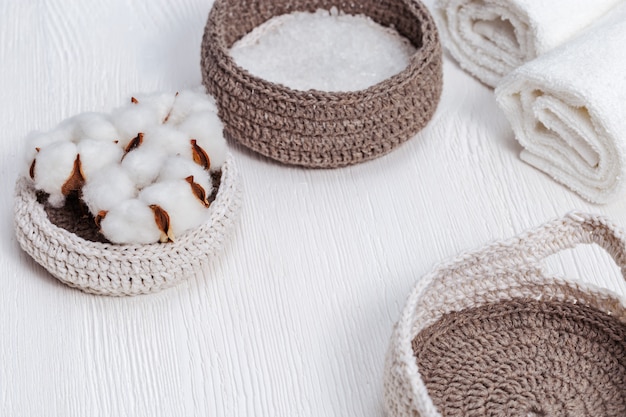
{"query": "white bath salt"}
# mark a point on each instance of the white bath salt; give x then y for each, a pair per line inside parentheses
(325, 51)
(185, 210)
(107, 188)
(131, 221)
(179, 168)
(206, 127)
(54, 165)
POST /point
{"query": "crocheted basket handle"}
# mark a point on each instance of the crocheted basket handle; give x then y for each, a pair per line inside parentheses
(570, 231)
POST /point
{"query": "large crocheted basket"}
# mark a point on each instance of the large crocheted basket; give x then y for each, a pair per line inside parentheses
(71, 249)
(491, 334)
(316, 128)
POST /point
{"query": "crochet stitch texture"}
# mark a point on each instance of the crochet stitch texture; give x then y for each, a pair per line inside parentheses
(109, 269)
(316, 128)
(489, 333)
(525, 356)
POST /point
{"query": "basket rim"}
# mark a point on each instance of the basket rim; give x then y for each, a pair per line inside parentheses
(420, 59)
(71, 248)
(507, 273)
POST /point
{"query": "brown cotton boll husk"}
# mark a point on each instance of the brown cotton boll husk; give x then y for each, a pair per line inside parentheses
(198, 191)
(54, 165)
(134, 143)
(179, 167)
(76, 180)
(199, 155)
(162, 220)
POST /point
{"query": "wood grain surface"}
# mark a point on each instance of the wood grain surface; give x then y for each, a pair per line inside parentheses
(294, 319)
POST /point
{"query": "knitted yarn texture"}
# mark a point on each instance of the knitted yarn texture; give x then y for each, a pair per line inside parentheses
(81, 259)
(316, 128)
(489, 333)
(525, 356)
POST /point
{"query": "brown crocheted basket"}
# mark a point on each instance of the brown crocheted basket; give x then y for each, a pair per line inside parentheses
(491, 334)
(316, 128)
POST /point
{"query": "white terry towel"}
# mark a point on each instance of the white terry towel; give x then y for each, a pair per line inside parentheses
(489, 38)
(568, 110)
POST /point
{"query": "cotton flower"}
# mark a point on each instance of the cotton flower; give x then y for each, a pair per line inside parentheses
(188, 102)
(160, 103)
(106, 188)
(207, 129)
(96, 154)
(96, 126)
(143, 171)
(179, 168)
(52, 168)
(176, 197)
(143, 165)
(64, 131)
(132, 120)
(131, 221)
(34, 142)
(167, 139)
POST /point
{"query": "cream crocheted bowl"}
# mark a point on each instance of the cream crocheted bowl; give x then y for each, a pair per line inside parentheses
(316, 128)
(103, 268)
(491, 334)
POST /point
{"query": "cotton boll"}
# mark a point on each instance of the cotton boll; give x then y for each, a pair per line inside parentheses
(166, 139)
(106, 188)
(97, 126)
(185, 210)
(65, 130)
(132, 120)
(188, 102)
(96, 154)
(179, 168)
(54, 165)
(161, 103)
(33, 141)
(131, 221)
(206, 127)
(143, 165)
(37, 139)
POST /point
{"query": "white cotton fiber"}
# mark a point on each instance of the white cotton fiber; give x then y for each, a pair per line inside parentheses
(160, 103)
(206, 127)
(177, 199)
(179, 168)
(131, 221)
(96, 154)
(107, 188)
(165, 166)
(167, 139)
(65, 131)
(143, 165)
(96, 126)
(33, 141)
(132, 120)
(323, 51)
(54, 165)
(188, 102)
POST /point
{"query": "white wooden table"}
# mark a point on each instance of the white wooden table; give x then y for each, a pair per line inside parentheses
(294, 319)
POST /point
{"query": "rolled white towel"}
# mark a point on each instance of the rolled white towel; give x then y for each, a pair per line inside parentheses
(489, 38)
(567, 109)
